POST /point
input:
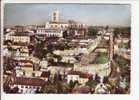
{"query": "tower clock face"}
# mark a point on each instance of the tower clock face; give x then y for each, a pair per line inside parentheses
(54, 14)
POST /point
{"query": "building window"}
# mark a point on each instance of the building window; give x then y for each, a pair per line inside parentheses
(21, 91)
(34, 87)
(54, 18)
(22, 86)
(61, 26)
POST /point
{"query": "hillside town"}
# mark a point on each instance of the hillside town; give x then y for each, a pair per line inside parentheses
(66, 57)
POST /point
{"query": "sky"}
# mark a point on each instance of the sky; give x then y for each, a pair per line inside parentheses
(89, 14)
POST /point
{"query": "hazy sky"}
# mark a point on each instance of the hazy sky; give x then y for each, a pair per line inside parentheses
(25, 14)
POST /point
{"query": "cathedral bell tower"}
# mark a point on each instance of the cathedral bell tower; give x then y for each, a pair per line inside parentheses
(55, 16)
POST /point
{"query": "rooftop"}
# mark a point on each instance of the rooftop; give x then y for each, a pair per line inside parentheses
(45, 74)
(28, 81)
(82, 75)
(81, 89)
(60, 22)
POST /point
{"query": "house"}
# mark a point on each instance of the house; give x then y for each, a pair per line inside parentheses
(77, 76)
(81, 90)
(19, 72)
(18, 38)
(68, 59)
(29, 28)
(76, 29)
(28, 69)
(21, 52)
(22, 60)
(123, 39)
(27, 85)
(44, 63)
(45, 75)
(102, 70)
(6, 52)
(50, 32)
(102, 88)
(56, 25)
(69, 52)
(19, 28)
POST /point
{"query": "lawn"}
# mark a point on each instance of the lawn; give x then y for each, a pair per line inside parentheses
(101, 58)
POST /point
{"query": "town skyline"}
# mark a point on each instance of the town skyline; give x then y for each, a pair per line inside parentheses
(63, 56)
(29, 14)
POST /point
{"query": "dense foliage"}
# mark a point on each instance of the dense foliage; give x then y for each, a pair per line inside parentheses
(124, 66)
(123, 45)
(92, 31)
(122, 31)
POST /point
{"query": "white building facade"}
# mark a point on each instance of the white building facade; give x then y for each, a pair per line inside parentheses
(50, 32)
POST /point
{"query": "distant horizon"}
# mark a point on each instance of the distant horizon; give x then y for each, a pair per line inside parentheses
(89, 14)
(86, 25)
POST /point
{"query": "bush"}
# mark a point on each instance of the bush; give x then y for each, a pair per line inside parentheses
(122, 30)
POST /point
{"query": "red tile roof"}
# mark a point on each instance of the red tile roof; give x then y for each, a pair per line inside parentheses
(21, 44)
(24, 61)
(125, 36)
(81, 90)
(82, 75)
(28, 81)
(45, 74)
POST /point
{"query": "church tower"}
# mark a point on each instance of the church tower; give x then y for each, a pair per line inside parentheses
(55, 16)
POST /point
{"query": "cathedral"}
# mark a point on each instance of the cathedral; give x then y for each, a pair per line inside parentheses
(55, 27)
(55, 23)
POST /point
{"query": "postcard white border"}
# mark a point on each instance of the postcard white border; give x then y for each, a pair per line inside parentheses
(134, 52)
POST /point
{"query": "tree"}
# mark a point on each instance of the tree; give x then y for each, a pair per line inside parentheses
(65, 34)
(40, 52)
(92, 83)
(65, 88)
(57, 78)
(124, 66)
(107, 27)
(15, 90)
(50, 89)
(6, 88)
(122, 31)
(59, 58)
(72, 84)
(58, 86)
(92, 31)
(9, 64)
